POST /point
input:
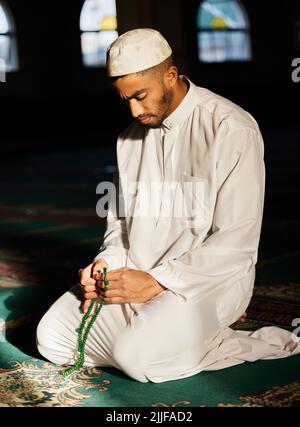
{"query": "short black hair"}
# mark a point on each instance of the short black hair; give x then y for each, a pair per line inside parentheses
(158, 69)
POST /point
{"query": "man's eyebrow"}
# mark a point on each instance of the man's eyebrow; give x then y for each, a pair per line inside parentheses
(137, 93)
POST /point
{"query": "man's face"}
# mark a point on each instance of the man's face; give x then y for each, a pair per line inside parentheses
(148, 97)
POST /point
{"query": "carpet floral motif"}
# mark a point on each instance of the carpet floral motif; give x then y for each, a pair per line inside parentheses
(32, 383)
(171, 405)
(287, 395)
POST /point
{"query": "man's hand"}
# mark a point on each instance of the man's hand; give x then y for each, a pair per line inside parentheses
(127, 285)
(88, 281)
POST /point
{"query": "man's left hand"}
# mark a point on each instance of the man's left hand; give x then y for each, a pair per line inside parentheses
(127, 285)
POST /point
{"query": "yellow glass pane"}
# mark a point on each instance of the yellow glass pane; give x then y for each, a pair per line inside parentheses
(218, 23)
(108, 23)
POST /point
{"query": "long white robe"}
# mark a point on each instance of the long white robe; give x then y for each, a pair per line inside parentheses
(206, 263)
(207, 139)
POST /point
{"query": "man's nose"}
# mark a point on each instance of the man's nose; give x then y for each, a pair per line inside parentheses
(136, 108)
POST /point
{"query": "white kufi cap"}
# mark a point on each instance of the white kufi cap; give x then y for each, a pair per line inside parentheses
(135, 51)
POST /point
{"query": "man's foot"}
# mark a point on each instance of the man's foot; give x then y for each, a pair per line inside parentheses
(241, 319)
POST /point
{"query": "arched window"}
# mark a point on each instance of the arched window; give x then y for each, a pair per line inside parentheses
(8, 45)
(223, 31)
(98, 25)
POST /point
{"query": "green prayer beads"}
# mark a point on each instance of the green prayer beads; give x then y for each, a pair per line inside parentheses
(82, 336)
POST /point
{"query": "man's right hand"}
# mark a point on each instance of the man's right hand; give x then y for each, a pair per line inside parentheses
(88, 278)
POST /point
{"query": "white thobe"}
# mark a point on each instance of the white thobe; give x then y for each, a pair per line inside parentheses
(205, 257)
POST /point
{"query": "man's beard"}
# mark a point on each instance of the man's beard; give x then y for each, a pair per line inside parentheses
(164, 105)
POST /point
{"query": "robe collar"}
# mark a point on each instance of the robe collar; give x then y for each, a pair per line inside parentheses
(184, 109)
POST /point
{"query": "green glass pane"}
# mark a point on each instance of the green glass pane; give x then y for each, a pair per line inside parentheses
(216, 14)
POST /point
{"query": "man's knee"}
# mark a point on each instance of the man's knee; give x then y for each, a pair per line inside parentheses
(129, 359)
(42, 332)
(42, 338)
(47, 345)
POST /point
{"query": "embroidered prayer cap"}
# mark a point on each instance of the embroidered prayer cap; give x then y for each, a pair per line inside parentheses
(136, 50)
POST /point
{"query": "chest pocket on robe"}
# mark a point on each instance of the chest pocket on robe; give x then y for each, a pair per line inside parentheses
(195, 201)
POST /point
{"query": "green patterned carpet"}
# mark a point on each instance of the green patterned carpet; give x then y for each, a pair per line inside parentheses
(49, 228)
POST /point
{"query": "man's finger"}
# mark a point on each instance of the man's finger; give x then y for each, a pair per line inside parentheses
(100, 285)
(88, 288)
(85, 279)
(112, 293)
(114, 274)
(90, 295)
(98, 267)
(114, 300)
(97, 276)
(85, 306)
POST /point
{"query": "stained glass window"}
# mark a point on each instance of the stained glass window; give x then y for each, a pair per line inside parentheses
(98, 25)
(223, 31)
(8, 46)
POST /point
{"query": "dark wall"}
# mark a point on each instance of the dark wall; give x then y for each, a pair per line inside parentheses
(53, 95)
(263, 85)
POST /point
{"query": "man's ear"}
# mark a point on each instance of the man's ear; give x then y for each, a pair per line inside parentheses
(171, 76)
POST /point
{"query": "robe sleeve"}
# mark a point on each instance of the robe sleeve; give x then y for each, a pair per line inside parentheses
(114, 248)
(229, 252)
